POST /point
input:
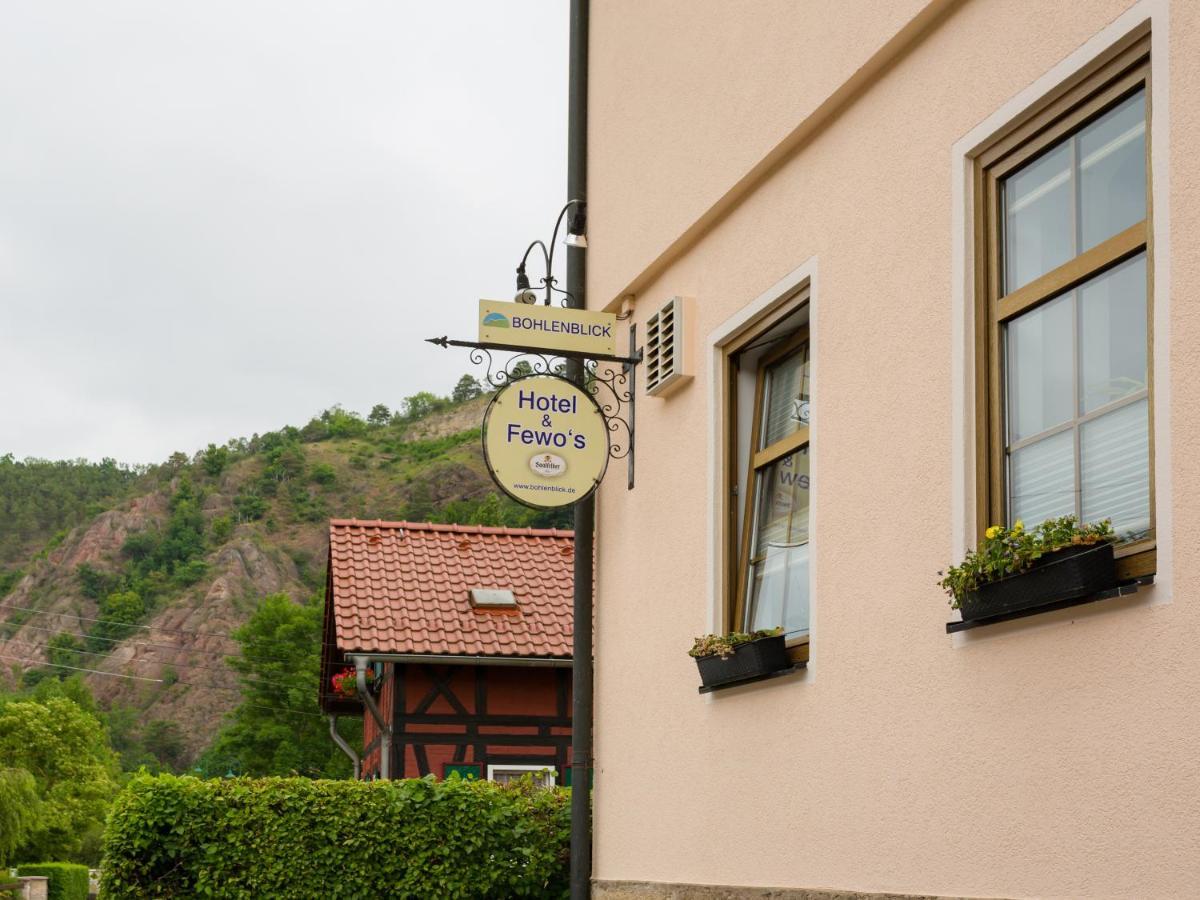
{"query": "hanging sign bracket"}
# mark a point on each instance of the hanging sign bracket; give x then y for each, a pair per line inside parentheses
(609, 379)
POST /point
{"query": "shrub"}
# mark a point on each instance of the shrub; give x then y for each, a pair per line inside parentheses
(221, 529)
(286, 838)
(323, 473)
(190, 572)
(68, 881)
(249, 507)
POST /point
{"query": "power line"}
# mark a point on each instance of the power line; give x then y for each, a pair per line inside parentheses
(187, 665)
(172, 648)
(212, 687)
(217, 634)
(77, 669)
(46, 612)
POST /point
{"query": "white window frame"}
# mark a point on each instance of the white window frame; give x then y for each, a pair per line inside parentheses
(522, 769)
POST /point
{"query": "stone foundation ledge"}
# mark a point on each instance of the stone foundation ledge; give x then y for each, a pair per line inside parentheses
(655, 890)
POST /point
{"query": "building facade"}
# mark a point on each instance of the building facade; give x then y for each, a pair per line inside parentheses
(901, 271)
(467, 632)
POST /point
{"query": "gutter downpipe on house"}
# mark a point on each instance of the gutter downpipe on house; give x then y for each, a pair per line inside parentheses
(345, 747)
(585, 510)
(385, 732)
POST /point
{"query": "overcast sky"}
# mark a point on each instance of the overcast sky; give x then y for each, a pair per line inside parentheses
(217, 218)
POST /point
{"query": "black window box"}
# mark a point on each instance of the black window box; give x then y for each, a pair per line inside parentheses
(750, 661)
(1062, 575)
(770, 676)
(1069, 577)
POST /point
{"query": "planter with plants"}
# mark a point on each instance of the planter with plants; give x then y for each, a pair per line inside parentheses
(735, 657)
(345, 682)
(1014, 569)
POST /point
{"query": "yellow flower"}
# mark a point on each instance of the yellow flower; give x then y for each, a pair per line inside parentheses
(992, 532)
(1018, 526)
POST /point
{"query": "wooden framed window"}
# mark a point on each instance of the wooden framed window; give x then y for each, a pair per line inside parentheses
(769, 585)
(1064, 346)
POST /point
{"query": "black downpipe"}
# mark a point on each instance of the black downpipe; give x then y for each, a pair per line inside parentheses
(585, 511)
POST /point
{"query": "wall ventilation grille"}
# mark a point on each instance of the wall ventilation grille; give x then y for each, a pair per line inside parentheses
(666, 357)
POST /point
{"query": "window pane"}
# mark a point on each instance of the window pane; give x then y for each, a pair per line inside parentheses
(1042, 480)
(1037, 218)
(1112, 164)
(1041, 390)
(782, 515)
(785, 400)
(1112, 334)
(1115, 469)
(778, 577)
(779, 591)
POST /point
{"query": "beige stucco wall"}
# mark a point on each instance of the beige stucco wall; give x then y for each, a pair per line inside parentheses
(1051, 757)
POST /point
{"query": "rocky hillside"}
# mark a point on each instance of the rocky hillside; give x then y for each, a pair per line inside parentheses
(193, 545)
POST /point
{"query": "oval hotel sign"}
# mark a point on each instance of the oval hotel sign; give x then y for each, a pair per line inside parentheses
(545, 441)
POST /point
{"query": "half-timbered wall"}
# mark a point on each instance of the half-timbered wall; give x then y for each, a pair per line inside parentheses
(482, 715)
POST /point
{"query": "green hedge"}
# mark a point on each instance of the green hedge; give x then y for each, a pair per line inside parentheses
(284, 838)
(68, 881)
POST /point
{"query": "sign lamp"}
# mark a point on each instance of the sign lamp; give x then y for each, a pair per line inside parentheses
(575, 237)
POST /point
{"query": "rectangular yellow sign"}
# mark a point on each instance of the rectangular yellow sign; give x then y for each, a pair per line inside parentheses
(547, 327)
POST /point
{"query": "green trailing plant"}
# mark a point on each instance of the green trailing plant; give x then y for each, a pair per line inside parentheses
(723, 645)
(298, 838)
(1006, 551)
(67, 881)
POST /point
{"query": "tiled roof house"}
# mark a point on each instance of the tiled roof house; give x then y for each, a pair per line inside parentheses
(467, 630)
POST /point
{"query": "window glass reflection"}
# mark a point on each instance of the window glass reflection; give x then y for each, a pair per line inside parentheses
(778, 576)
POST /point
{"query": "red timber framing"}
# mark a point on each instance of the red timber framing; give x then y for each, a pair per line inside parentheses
(451, 715)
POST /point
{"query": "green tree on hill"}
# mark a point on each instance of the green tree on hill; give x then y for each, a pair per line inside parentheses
(249, 507)
(164, 740)
(422, 404)
(120, 611)
(64, 650)
(468, 388)
(39, 498)
(215, 460)
(278, 729)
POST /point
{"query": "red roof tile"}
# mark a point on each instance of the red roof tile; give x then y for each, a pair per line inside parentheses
(404, 587)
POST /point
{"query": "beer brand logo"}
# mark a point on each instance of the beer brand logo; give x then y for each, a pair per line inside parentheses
(548, 464)
(495, 320)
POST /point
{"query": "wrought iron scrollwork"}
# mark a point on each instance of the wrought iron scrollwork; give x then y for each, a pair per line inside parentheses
(498, 373)
(610, 381)
(611, 387)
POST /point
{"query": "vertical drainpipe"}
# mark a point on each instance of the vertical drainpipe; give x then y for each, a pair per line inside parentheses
(585, 510)
(385, 730)
(346, 748)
